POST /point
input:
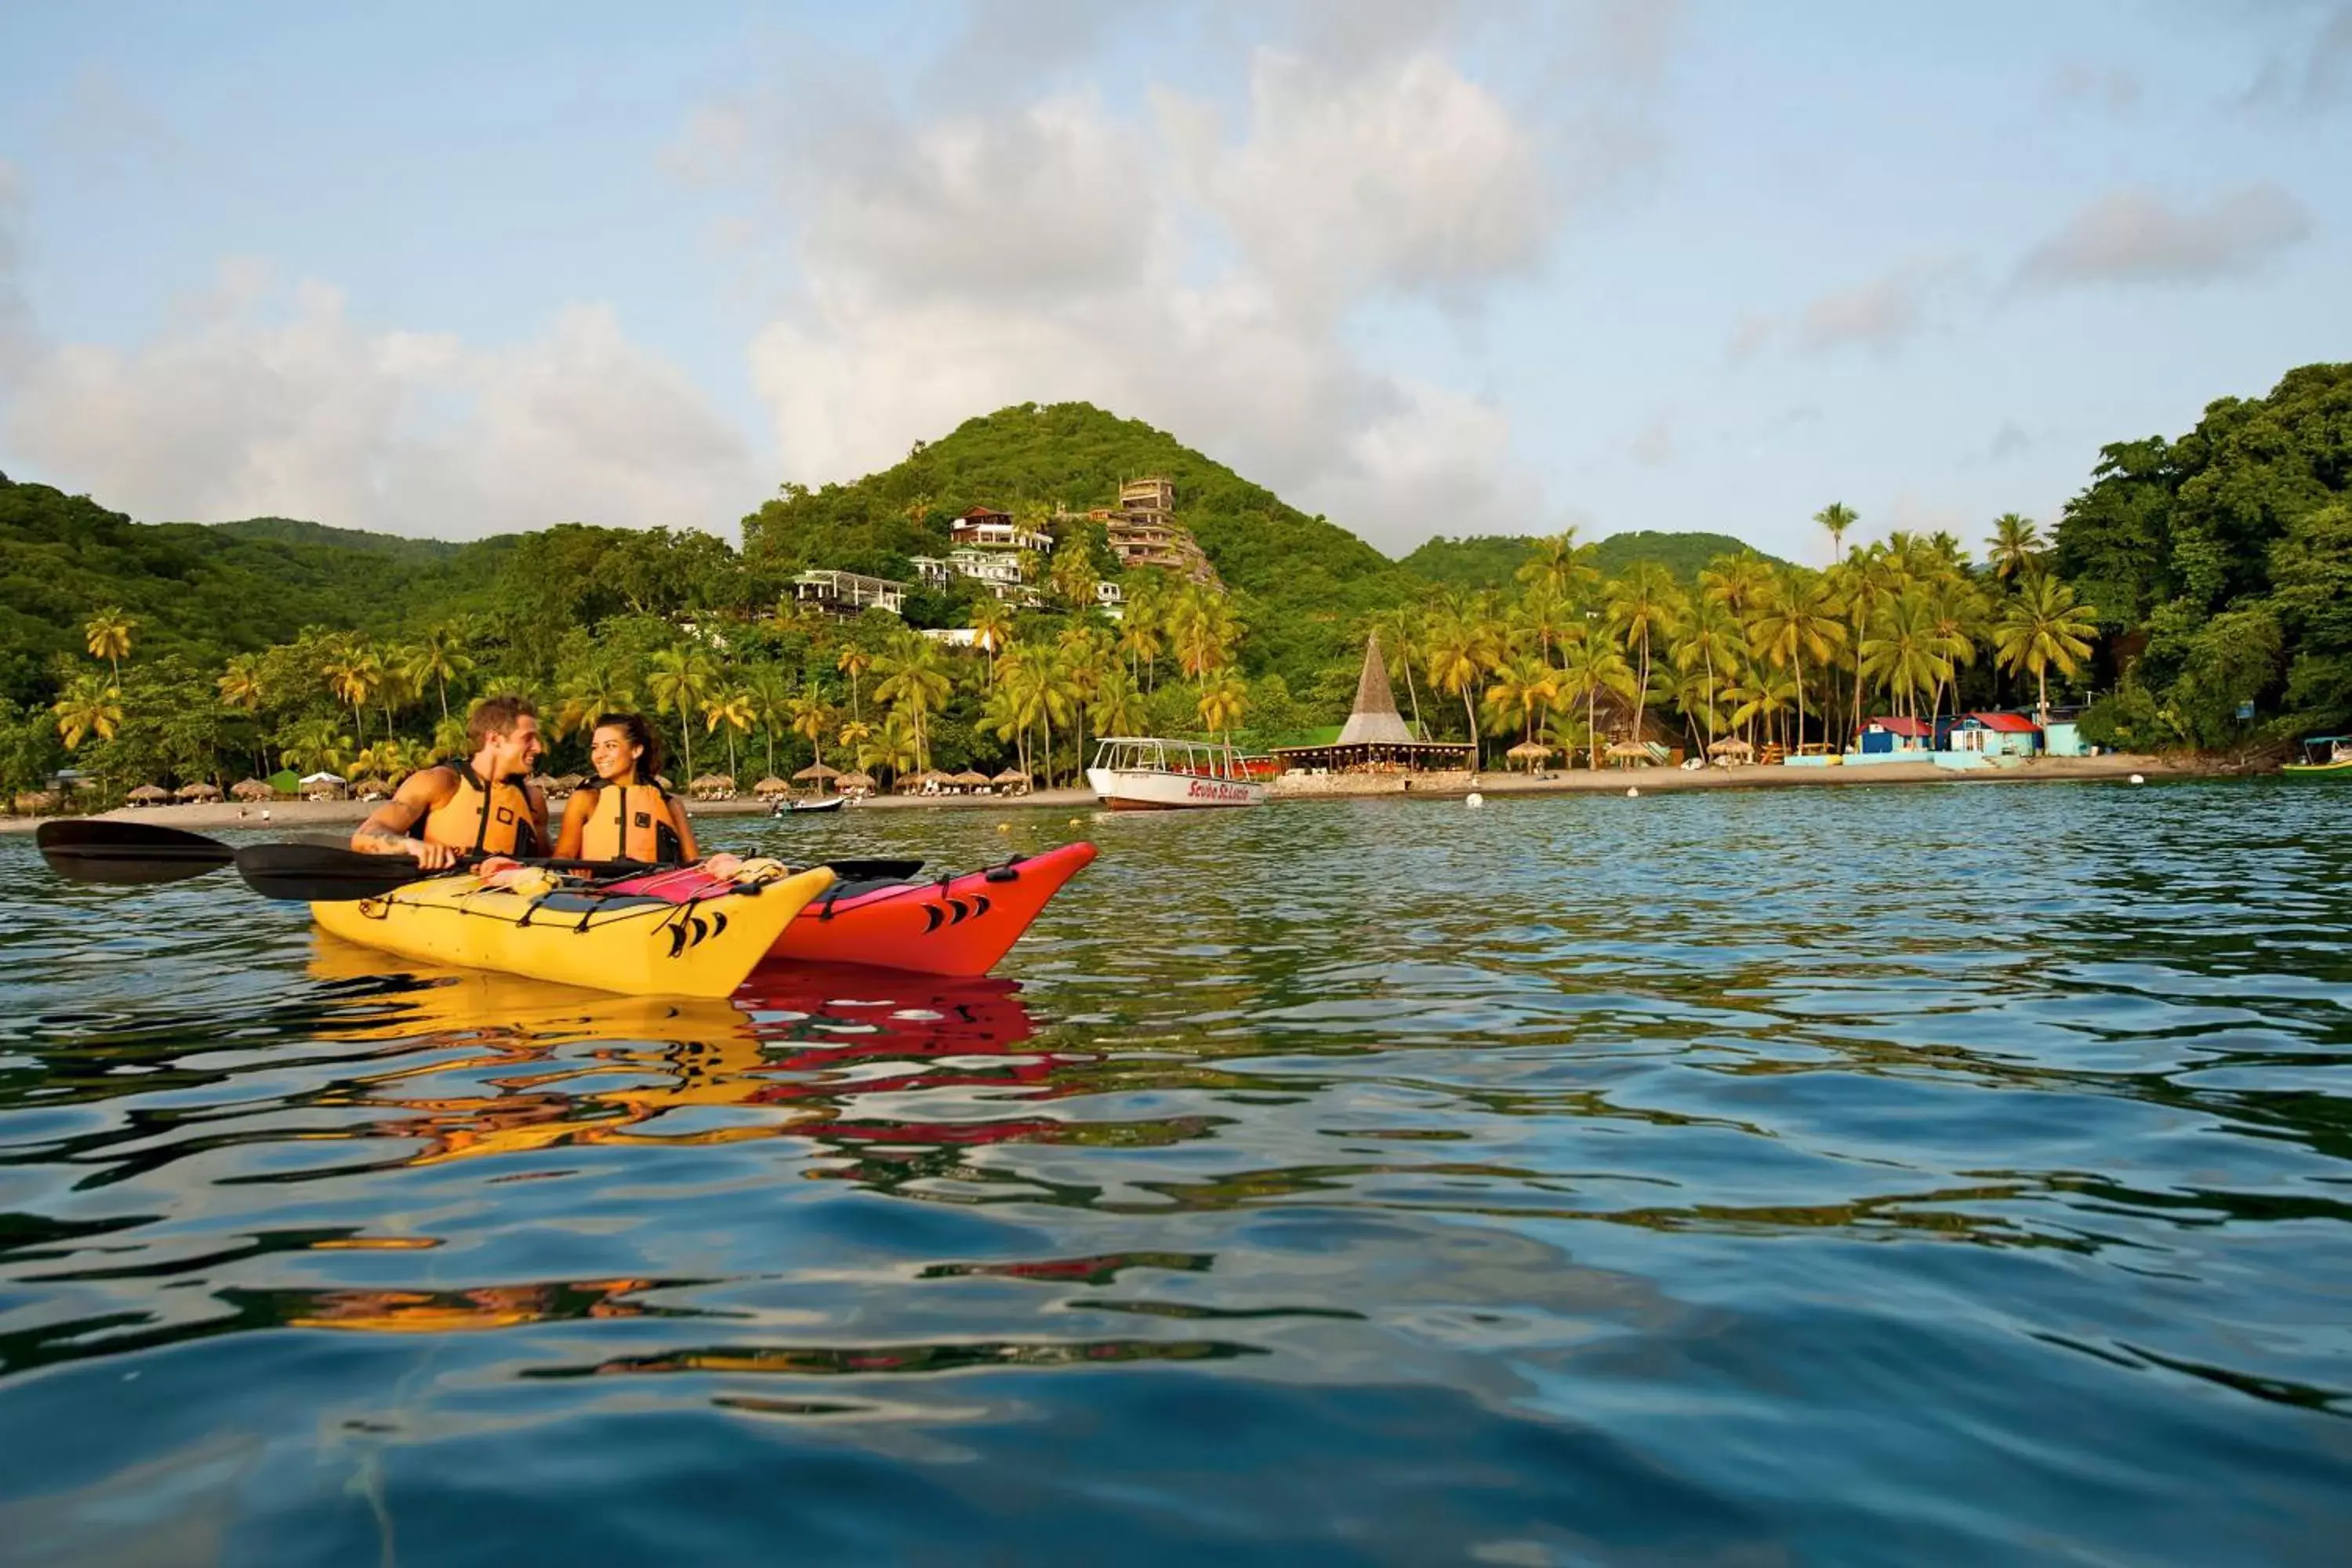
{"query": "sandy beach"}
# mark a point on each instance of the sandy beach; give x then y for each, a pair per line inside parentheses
(304, 813)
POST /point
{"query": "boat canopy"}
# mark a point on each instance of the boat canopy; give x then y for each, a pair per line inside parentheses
(1147, 753)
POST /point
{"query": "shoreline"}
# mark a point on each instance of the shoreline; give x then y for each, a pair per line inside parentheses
(299, 814)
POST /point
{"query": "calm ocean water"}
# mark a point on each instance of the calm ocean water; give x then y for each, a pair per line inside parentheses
(1891, 1175)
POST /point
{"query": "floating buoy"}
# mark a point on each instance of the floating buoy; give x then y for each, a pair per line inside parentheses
(1475, 801)
(1074, 821)
(2138, 778)
(1633, 792)
(1004, 827)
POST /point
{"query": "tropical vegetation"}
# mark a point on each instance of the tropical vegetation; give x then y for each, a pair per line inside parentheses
(2191, 581)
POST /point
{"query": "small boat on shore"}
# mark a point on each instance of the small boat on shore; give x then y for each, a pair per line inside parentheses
(794, 807)
(1138, 773)
(2326, 759)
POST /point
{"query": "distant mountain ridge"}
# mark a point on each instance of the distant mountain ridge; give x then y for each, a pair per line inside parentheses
(1488, 560)
(1305, 584)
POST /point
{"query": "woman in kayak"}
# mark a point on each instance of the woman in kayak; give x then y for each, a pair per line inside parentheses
(625, 815)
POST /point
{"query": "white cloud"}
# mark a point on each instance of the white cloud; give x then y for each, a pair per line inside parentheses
(237, 409)
(2309, 78)
(17, 339)
(1168, 268)
(2137, 237)
(1881, 314)
(1409, 178)
(2082, 85)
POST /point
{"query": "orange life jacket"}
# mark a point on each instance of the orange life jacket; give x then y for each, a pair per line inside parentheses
(487, 818)
(629, 822)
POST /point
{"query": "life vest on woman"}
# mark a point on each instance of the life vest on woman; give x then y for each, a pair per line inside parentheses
(630, 822)
(487, 818)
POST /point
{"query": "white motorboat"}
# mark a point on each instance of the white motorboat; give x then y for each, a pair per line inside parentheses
(1136, 772)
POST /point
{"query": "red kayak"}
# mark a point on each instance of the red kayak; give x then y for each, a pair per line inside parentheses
(947, 925)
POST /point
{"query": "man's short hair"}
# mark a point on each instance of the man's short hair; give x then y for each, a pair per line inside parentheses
(495, 716)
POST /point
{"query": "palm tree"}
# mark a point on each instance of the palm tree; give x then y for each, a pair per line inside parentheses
(1836, 517)
(891, 748)
(1903, 652)
(811, 717)
(771, 703)
(586, 693)
(2040, 627)
(1203, 627)
(853, 738)
(438, 660)
(681, 680)
(1074, 576)
(1957, 611)
(914, 681)
(992, 623)
(734, 710)
(1403, 625)
(1013, 708)
(2015, 546)
(1798, 619)
(315, 746)
(240, 685)
(1460, 648)
(854, 662)
(1523, 688)
(1645, 607)
(1561, 566)
(1221, 706)
(352, 671)
(1117, 706)
(108, 636)
(1141, 623)
(1590, 665)
(1865, 584)
(1708, 648)
(87, 707)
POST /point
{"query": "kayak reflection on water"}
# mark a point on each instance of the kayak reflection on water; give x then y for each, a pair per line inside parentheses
(544, 1066)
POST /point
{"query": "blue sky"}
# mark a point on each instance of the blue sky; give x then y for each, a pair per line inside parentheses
(1426, 268)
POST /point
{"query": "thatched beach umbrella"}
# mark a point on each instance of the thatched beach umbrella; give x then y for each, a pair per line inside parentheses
(1731, 746)
(860, 782)
(816, 773)
(1631, 751)
(149, 795)
(711, 786)
(1528, 752)
(1011, 778)
(541, 782)
(972, 778)
(371, 789)
(769, 787)
(202, 789)
(566, 783)
(252, 789)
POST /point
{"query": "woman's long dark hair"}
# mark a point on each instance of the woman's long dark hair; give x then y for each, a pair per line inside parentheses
(640, 733)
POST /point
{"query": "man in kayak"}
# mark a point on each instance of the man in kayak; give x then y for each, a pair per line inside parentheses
(484, 805)
(625, 815)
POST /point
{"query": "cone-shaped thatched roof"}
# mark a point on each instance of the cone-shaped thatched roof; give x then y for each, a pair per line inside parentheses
(150, 792)
(202, 789)
(1375, 720)
(971, 776)
(817, 770)
(1011, 775)
(858, 781)
(1530, 748)
(772, 784)
(252, 789)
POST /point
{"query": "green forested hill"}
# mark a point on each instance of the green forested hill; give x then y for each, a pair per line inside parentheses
(1487, 561)
(1304, 580)
(199, 590)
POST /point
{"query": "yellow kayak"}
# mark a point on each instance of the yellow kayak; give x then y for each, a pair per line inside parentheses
(628, 942)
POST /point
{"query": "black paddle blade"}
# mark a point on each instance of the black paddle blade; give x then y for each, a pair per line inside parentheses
(128, 854)
(317, 874)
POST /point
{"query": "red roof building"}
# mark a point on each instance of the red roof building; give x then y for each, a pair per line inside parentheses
(2006, 723)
